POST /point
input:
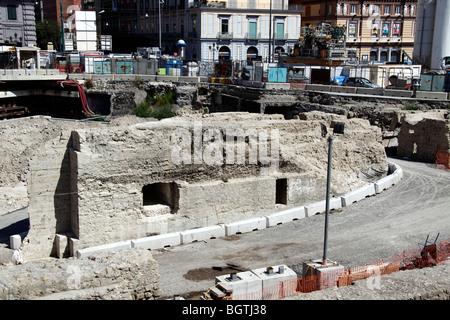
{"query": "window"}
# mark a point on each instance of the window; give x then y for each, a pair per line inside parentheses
(373, 56)
(352, 29)
(352, 54)
(383, 56)
(396, 30)
(387, 10)
(224, 25)
(375, 9)
(354, 9)
(398, 10)
(12, 13)
(374, 30)
(280, 30)
(252, 28)
(386, 29)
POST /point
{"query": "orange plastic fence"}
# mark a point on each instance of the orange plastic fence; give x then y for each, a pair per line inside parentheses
(442, 160)
(409, 259)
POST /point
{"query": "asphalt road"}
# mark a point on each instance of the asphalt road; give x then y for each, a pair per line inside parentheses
(376, 228)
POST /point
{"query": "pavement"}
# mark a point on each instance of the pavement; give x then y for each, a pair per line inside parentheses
(378, 227)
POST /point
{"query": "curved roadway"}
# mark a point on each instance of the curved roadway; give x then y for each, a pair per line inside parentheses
(378, 227)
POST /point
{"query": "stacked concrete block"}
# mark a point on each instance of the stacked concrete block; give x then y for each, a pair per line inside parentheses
(327, 276)
(244, 285)
(271, 278)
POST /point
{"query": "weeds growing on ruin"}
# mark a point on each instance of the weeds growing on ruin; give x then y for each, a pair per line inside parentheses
(157, 106)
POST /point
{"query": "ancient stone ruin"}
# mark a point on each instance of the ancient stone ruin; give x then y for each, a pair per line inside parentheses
(113, 183)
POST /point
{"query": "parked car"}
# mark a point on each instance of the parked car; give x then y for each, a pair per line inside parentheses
(359, 82)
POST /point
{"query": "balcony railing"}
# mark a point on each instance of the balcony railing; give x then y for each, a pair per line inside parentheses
(253, 36)
(225, 36)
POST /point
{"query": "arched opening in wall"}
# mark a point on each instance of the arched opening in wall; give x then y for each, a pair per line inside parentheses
(281, 191)
(278, 51)
(224, 53)
(161, 193)
(252, 54)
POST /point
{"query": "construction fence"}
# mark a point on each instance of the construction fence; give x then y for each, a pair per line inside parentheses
(429, 256)
(442, 160)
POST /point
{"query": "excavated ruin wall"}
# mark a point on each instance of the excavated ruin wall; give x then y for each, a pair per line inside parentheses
(111, 167)
(128, 275)
(422, 134)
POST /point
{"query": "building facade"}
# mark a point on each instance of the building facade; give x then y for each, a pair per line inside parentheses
(17, 23)
(212, 30)
(377, 31)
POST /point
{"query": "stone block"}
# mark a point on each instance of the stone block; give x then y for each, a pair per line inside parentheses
(15, 241)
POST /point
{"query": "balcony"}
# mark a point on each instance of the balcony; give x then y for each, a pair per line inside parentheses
(225, 36)
(253, 36)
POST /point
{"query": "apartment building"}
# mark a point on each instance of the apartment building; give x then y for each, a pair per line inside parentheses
(377, 31)
(212, 29)
(17, 23)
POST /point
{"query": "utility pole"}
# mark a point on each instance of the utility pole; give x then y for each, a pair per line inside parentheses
(270, 32)
(63, 44)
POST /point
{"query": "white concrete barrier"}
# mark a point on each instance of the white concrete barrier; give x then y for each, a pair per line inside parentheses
(116, 246)
(201, 234)
(357, 195)
(285, 216)
(157, 242)
(431, 95)
(245, 226)
(319, 207)
(386, 182)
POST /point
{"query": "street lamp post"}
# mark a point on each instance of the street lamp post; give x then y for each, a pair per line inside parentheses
(270, 32)
(338, 129)
(159, 17)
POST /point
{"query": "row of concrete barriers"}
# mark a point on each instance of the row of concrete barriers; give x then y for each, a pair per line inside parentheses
(433, 95)
(249, 225)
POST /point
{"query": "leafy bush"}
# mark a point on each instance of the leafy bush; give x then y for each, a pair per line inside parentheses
(158, 106)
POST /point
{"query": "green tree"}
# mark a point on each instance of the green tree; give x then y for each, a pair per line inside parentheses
(47, 31)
